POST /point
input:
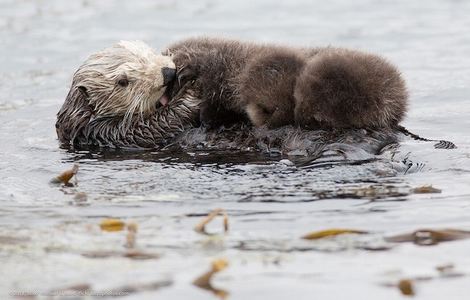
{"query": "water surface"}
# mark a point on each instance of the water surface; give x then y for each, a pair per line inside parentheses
(45, 229)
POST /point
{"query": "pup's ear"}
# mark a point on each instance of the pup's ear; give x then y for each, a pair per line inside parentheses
(83, 90)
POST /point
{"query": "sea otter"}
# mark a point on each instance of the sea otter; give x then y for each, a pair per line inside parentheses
(127, 96)
(119, 98)
(275, 85)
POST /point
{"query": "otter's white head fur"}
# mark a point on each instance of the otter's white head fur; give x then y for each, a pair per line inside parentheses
(124, 79)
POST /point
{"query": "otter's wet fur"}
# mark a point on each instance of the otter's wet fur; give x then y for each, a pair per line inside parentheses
(275, 85)
(87, 117)
(77, 126)
(114, 97)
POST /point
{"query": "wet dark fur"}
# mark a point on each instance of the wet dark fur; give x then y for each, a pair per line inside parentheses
(290, 140)
(343, 88)
(175, 125)
(216, 65)
(77, 125)
(275, 86)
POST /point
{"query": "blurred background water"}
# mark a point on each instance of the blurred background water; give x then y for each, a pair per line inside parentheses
(44, 229)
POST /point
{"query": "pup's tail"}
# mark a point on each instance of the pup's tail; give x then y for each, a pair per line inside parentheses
(441, 144)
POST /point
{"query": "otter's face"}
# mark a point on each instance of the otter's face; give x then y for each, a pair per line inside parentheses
(124, 79)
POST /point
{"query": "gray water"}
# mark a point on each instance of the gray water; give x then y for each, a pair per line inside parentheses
(45, 230)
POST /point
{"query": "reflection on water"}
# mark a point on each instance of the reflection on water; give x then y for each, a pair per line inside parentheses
(47, 231)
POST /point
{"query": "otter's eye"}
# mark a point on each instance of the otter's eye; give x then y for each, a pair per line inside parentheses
(123, 82)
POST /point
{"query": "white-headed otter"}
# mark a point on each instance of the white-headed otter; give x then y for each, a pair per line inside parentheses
(114, 97)
(276, 86)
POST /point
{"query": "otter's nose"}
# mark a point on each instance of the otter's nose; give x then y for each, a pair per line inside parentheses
(169, 74)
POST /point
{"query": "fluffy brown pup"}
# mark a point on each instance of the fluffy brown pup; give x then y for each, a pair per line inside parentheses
(276, 86)
(216, 65)
(342, 88)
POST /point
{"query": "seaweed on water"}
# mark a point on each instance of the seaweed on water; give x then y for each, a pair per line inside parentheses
(201, 226)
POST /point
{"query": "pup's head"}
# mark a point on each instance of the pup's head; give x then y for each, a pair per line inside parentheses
(120, 81)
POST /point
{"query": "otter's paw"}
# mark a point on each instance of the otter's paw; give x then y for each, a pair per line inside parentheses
(267, 85)
(186, 68)
(343, 88)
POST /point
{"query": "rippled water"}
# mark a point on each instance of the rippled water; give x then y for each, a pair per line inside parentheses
(45, 229)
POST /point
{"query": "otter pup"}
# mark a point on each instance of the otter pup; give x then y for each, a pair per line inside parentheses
(275, 86)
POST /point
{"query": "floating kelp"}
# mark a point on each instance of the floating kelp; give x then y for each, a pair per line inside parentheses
(112, 225)
(406, 287)
(132, 254)
(321, 242)
(331, 232)
(427, 237)
(426, 189)
(64, 177)
(201, 227)
(204, 281)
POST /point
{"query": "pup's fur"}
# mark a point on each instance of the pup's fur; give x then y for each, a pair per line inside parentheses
(275, 86)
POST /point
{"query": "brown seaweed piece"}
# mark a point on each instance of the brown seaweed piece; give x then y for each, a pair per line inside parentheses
(426, 189)
(112, 225)
(315, 235)
(428, 237)
(65, 176)
(204, 281)
(406, 287)
(201, 227)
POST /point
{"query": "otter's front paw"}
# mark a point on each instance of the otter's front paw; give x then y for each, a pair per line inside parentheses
(186, 68)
